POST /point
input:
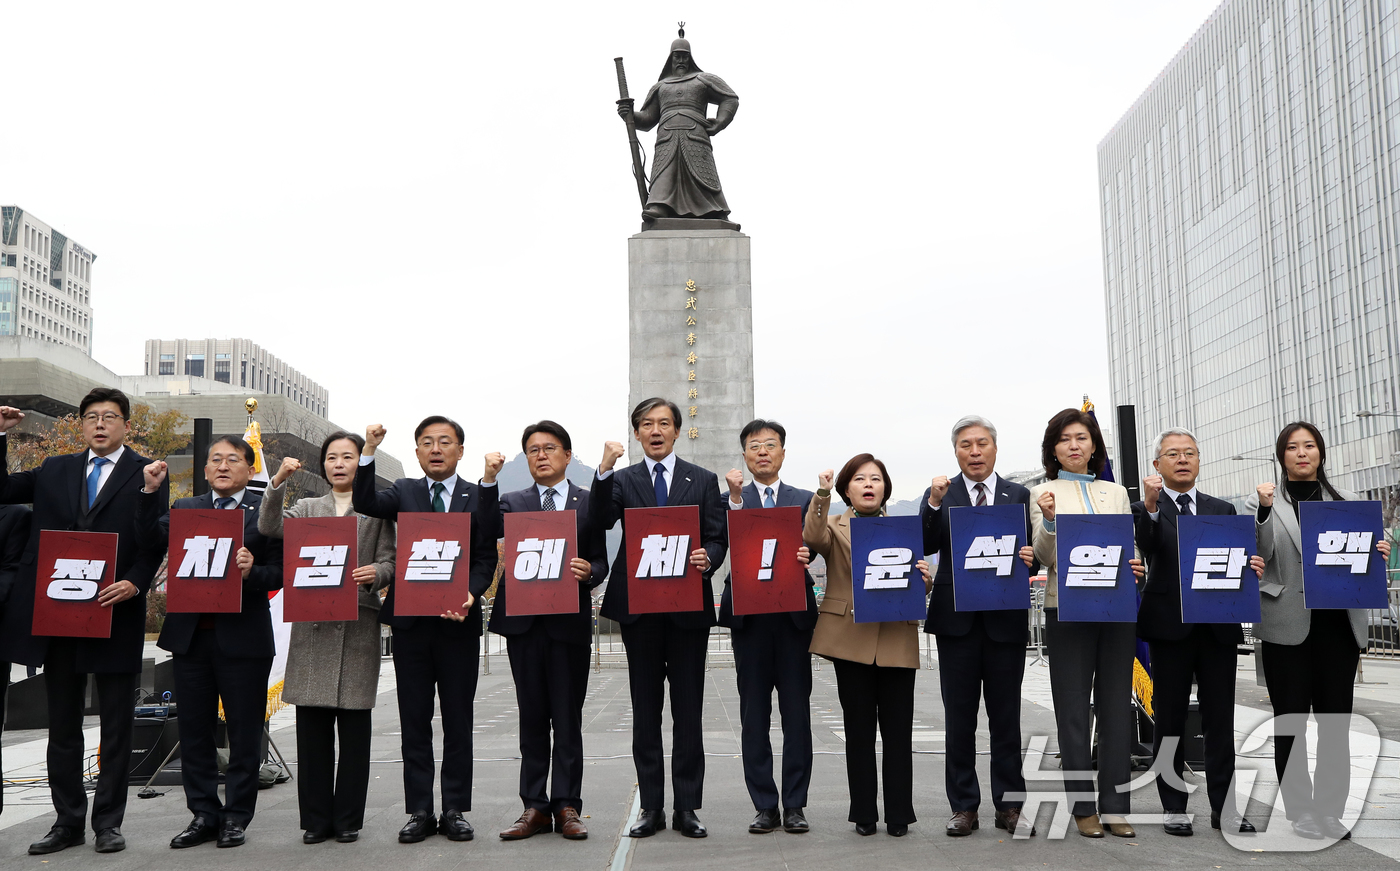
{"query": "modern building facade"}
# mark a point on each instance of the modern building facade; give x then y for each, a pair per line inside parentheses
(237, 362)
(45, 282)
(1250, 205)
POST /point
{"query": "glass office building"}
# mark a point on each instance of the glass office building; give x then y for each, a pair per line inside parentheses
(1251, 231)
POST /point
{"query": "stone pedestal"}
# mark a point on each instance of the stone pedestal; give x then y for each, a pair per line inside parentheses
(662, 264)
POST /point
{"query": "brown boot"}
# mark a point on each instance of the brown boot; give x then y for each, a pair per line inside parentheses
(567, 823)
(530, 823)
(1089, 826)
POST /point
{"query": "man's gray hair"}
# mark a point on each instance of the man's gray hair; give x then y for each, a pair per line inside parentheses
(1174, 431)
(973, 420)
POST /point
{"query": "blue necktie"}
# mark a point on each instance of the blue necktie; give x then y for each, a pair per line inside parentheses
(95, 478)
(223, 502)
(660, 486)
(768, 498)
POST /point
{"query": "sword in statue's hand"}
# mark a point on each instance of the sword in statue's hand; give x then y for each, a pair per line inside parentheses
(625, 110)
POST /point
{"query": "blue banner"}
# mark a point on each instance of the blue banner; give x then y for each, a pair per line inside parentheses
(885, 583)
(1217, 584)
(1095, 584)
(1341, 566)
(984, 543)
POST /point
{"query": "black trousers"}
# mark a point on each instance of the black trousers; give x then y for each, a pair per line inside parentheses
(116, 698)
(1211, 663)
(871, 695)
(1316, 676)
(204, 676)
(658, 653)
(1093, 660)
(770, 653)
(551, 680)
(4, 688)
(331, 795)
(431, 659)
(973, 668)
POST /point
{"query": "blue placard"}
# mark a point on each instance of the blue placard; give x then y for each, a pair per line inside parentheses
(1217, 584)
(984, 543)
(1341, 566)
(1094, 581)
(885, 583)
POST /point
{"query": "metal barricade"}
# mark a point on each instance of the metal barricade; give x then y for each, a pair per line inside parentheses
(1383, 625)
(1037, 617)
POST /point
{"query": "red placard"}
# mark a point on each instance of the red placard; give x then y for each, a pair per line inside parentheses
(73, 569)
(319, 556)
(767, 577)
(202, 576)
(536, 551)
(660, 578)
(433, 563)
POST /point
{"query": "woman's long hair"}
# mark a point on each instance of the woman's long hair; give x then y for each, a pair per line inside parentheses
(1282, 445)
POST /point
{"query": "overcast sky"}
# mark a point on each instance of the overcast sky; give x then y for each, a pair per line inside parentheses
(425, 207)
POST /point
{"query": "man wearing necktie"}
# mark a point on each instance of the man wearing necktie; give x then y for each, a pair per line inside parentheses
(771, 650)
(662, 648)
(549, 653)
(94, 490)
(1185, 652)
(221, 658)
(981, 654)
(436, 655)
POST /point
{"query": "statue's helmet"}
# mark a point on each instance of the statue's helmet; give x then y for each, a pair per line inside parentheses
(680, 45)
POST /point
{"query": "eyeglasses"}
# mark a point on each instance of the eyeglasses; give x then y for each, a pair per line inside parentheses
(1173, 455)
(549, 450)
(769, 446)
(105, 417)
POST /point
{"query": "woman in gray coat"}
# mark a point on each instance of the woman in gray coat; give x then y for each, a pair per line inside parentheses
(333, 666)
(1309, 656)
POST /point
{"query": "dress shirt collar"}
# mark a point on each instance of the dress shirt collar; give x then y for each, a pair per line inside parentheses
(990, 484)
(450, 482)
(1191, 494)
(561, 493)
(236, 497)
(114, 456)
(669, 462)
(760, 487)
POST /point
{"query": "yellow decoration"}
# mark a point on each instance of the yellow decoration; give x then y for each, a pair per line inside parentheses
(693, 433)
(690, 303)
(691, 376)
(693, 409)
(692, 358)
(690, 339)
(693, 394)
(690, 320)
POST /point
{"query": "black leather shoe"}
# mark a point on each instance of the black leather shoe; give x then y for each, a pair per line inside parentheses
(454, 827)
(310, 837)
(419, 826)
(231, 834)
(688, 824)
(765, 822)
(866, 828)
(110, 840)
(198, 832)
(898, 831)
(1334, 828)
(1307, 826)
(348, 837)
(1178, 824)
(648, 824)
(1245, 826)
(58, 838)
(795, 822)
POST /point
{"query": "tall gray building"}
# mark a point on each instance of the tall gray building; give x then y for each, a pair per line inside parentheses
(45, 282)
(1251, 231)
(237, 362)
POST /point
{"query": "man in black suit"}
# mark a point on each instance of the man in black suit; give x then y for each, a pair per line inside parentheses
(222, 658)
(93, 491)
(663, 647)
(771, 650)
(549, 653)
(436, 656)
(1181, 652)
(14, 535)
(981, 654)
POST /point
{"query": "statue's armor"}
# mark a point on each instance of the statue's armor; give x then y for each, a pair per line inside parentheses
(683, 175)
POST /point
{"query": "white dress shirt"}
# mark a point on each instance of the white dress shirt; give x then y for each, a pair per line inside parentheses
(776, 485)
(106, 467)
(236, 497)
(990, 484)
(669, 462)
(561, 493)
(449, 483)
(1169, 493)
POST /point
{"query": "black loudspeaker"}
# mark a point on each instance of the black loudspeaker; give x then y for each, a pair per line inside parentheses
(1128, 452)
(27, 704)
(152, 738)
(1193, 743)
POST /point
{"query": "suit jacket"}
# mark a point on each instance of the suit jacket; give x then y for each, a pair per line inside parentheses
(592, 546)
(14, 535)
(1283, 619)
(943, 616)
(413, 495)
(249, 632)
(1108, 497)
(1159, 615)
(335, 664)
(838, 635)
(58, 492)
(787, 496)
(631, 487)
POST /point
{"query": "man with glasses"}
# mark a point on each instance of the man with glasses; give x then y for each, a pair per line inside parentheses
(95, 490)
(549, 653)
(221, 659)
(771, 650)
(436, 655)
(1185, 652)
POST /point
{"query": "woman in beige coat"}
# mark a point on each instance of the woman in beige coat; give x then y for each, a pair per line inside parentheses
(333, 666)
(1086, 659)
(875, 662)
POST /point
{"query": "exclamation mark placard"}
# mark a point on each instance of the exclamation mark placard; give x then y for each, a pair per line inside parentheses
(765, 571)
